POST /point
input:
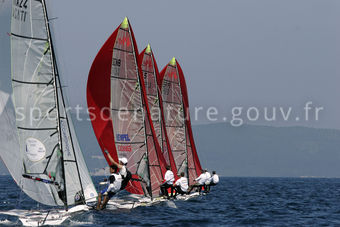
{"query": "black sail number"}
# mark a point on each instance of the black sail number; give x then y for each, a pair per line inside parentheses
(22, 3)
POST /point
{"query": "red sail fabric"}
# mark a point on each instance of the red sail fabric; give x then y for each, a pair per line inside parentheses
(150, 74)
(116, 90)
(177, 120)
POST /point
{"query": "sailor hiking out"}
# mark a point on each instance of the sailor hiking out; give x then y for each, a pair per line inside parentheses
(200, 181)
(118, 180)
(213, 181)
(168, 182)
(181, 185)
(123, 171)
(114, 185)
(207, 181)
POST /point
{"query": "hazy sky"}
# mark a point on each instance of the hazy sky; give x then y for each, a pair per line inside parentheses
(233, 52)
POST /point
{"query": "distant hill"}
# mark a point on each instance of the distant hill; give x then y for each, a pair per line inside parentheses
(269, 151)
(246, 151)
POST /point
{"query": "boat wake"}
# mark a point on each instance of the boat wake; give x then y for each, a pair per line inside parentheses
(6, 222)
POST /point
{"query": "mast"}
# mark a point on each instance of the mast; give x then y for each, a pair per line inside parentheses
(173, 61)
(57, 99)
(55, 68)
(142, 106)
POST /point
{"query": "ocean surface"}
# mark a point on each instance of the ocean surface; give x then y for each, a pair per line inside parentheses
(234, 202)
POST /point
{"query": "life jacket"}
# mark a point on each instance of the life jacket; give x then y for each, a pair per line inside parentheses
(126, 179)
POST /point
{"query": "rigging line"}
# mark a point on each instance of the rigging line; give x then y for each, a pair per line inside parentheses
(159, 103)
(69, 130)
(140, 129)
(185, 131)
(50, 156)
(54, 69)
(45, 217)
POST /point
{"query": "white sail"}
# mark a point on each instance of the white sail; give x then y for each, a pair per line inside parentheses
(53, 169)
(9, 138)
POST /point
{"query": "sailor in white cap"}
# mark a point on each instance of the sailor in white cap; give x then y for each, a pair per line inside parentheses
(123, 171)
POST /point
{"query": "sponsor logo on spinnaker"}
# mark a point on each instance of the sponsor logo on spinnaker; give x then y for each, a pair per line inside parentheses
(124, 148)
(123, 137)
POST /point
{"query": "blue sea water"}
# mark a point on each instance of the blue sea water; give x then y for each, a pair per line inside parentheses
(234, 202)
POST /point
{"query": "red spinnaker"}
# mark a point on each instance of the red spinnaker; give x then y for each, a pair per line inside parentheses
(119, 111)
(153, 92)
(177, 120)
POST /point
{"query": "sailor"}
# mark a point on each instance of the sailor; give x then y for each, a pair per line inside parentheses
(200, 181)
(168, 182)
(123, 171)
(114, 185)
(213, 180)
(207, 181)
(181, 185)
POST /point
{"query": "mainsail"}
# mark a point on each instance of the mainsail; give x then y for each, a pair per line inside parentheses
(52, 168)
(120, 113)
(150, 73)
(177, 120)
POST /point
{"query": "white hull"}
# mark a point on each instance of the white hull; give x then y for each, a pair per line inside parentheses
(44, 217)
(132, 201)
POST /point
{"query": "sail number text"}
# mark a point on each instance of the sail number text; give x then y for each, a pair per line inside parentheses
(20, 11)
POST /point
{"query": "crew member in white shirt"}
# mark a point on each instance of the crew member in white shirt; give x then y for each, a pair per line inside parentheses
(181, 185)
(115, 181)
(207, 181)
(123, 171)
(213, 180)
(200, 181)
(168, 182)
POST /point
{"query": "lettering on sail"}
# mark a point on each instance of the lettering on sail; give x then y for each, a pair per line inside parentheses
(116, 66)
(166, 87)
(147, 82)
(123, 138)
(124, 148)
(20, 10)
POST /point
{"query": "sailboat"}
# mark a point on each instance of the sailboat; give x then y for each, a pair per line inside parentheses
(120, 112)
(153, 92)
(177, 120)
(46, 162)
